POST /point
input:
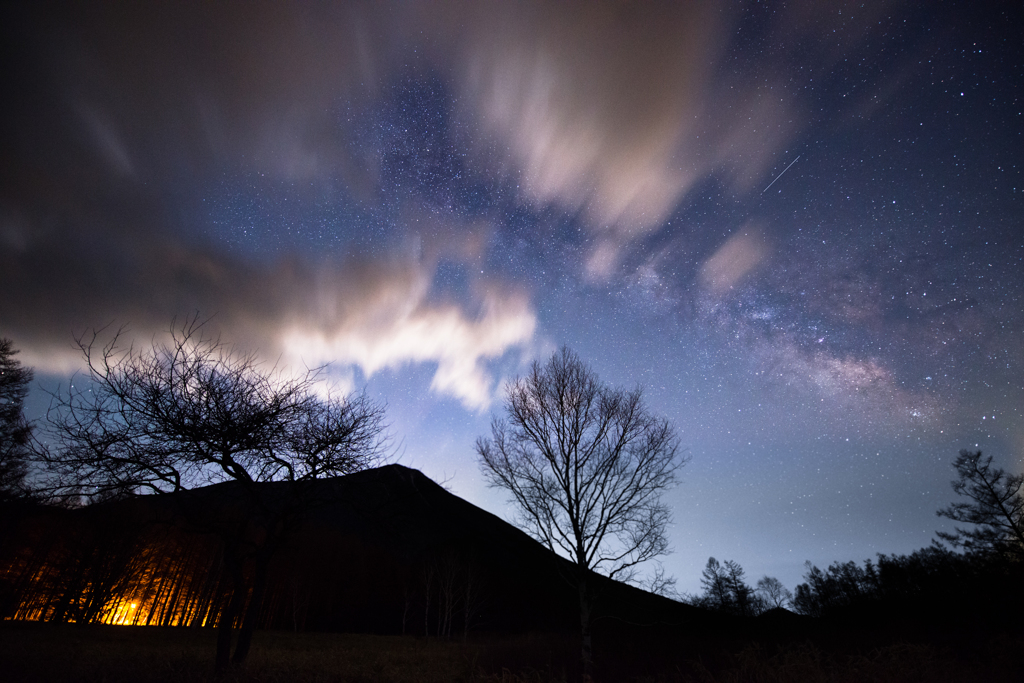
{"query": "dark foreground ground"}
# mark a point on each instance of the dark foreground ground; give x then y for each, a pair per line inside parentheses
(43, 652)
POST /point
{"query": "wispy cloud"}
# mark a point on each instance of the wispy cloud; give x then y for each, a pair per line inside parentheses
(369, 312)
(614, 111)
(595, 103)
(391, 323)
(610, 111)
(733, 261)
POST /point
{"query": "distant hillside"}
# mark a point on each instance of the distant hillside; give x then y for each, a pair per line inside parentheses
(384, 550)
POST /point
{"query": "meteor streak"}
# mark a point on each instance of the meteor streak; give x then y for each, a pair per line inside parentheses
(783, 171)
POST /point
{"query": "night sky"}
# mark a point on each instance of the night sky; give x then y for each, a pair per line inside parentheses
(800, 226)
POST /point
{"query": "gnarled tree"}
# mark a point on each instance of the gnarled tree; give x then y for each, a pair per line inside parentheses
(192, 412)
(586, 465)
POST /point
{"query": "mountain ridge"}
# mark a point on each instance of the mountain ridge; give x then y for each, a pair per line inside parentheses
(384, 550)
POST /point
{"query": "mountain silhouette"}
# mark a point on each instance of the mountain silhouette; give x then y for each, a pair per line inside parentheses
(385, 550)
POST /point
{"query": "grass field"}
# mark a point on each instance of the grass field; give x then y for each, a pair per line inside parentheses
(111, 654)
(45, 652)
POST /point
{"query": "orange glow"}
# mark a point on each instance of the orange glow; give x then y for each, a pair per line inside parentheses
(122, 614)
(162, 585)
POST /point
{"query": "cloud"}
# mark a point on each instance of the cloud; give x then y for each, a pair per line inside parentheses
(103, 212)
(393, 324)
(594, 102)
(733, 261)
(374, 313)
(614, 110)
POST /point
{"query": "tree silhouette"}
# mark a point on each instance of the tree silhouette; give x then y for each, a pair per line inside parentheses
(191, 413)
(995, 507)
(586, 465)
(772, 593)
(15, 431)
(726, 590)
(935, 585)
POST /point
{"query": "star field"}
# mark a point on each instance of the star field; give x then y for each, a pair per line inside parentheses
(800, 228)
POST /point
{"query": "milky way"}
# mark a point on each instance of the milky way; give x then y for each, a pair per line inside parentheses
(800, 229)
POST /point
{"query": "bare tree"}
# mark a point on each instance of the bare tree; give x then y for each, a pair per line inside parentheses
(15, 431)
(586, 465)
(772, 593)
(995, 507)
(192, 412)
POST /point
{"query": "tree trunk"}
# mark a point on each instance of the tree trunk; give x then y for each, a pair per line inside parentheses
(586, 653)
(252, 612)
(225, 626)
(225, 629)
(428, 579)
(467, 605)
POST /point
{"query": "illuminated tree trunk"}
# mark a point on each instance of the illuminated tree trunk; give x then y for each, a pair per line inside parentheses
(173, 612)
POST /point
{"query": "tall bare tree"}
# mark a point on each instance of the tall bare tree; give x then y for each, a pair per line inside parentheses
(15, 431)
(192, 412)
(586, 465)
(995, 507)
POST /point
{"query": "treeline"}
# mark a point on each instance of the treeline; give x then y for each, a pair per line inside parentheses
(104, 564)
(386, 551)
(934, 584)
(984, 580)
(116, 564)
(120, 563)
(726, 591)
